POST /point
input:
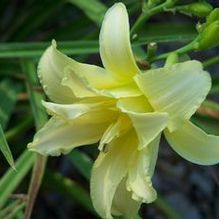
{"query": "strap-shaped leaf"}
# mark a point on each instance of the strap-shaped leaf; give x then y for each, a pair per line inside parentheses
(8, 94)
(5, 148)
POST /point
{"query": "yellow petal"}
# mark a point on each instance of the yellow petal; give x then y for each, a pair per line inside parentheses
(135, 104)
(115, 47)
(92, 76)
(60, 75)
(123, 204)
(128, 90)
(147, 125)
(108, 171)
(59, 136)
(51, 71)
(178, 90)
(93, 85)
(72, 111)
(79, 87)
(194, 144)
(114, 131)
(140, 172)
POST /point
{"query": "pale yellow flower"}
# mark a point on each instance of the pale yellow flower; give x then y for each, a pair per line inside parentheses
(88, 108)
(126, 111)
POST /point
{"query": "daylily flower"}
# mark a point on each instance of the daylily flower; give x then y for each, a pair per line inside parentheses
(126, 110)
(85, 111)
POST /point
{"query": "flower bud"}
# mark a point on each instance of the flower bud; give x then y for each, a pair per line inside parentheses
(199, 9)
(213, 16)
(209, 37)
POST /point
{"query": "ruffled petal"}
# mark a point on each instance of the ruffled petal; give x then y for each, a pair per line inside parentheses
(59, 136)
(109, 170)
(72, 111)
(60, 75)
(123, 204)
(91, 76)
(141, 168)
(51, 71)
(194, 144)
(115, 47)
(178, 90)
(147, 125)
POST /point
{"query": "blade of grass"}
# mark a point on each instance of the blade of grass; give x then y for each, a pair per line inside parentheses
(39, 14)
(166, 208)
(8, 95)
(11, 179)
(69, 188)
(95, 9)
(19, 215)
(21, 127)
(82, 162)
(10, 208)
(15, 211)
(27, 50)
(212, 61)
(4, 147)
(39, 113)
(40, 117)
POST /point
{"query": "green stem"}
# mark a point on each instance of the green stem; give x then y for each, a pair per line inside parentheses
(185, 49)
(167, 209)
(211, 61)
(214, 90)
(40, 118)
(36, 179)
(145, 15)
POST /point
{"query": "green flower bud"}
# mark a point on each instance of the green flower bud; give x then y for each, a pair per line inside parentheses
(213, 16)
(199, 9)
(209, 37)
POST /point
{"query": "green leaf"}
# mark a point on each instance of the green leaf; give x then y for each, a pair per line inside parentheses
(25, 50)
(8, 95)
(15, 211)
(69, 188)
(38, 15)
(40, 117)
(11, 179)
(77, 47)
(39, 113)
(5, 149)
(94, 9)
(82, 162)
(162, 33)
(167, 209)
(12, 209)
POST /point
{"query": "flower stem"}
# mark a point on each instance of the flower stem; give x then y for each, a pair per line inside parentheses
(167, 209)
(40, 118)
(211, 61)
(185, 49)
(146, 14)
